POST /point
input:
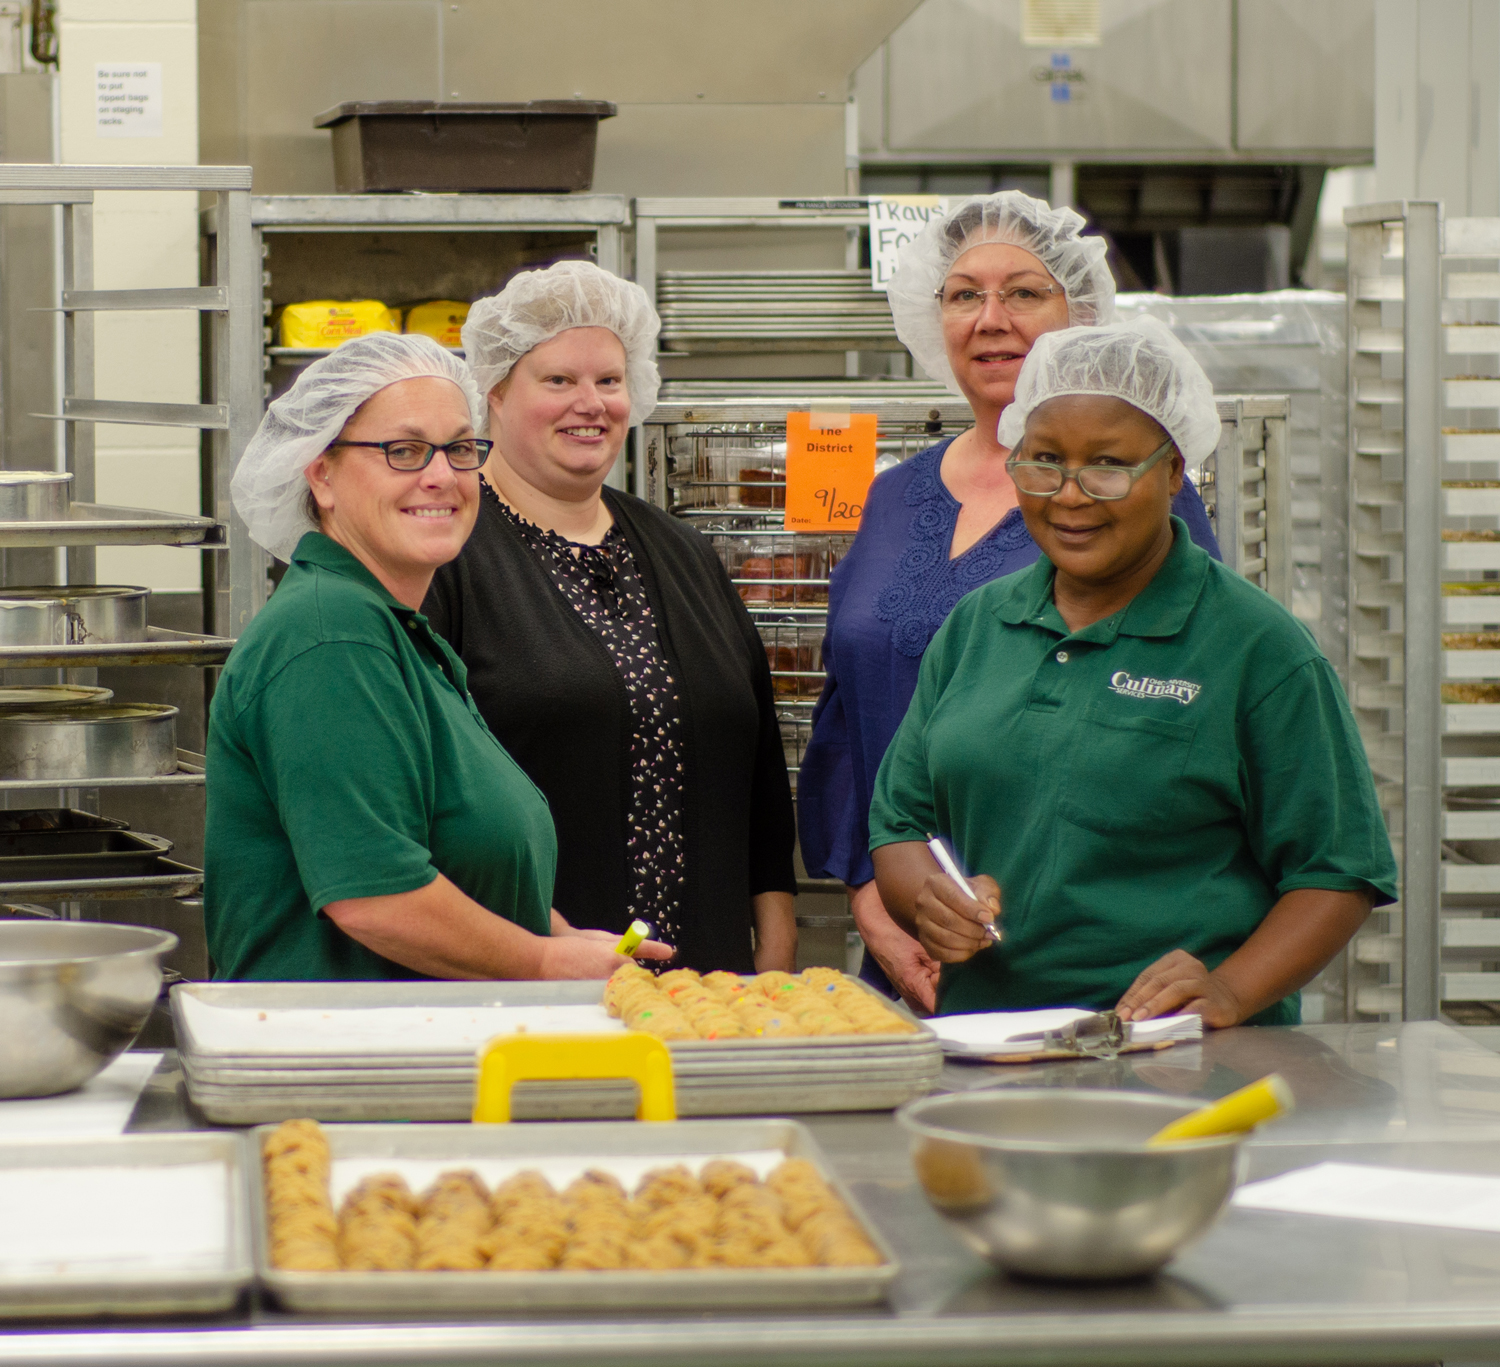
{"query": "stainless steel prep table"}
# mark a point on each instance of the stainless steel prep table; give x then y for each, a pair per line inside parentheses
(1262, 1288)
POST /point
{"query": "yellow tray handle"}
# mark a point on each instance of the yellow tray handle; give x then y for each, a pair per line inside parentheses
(510, 1059)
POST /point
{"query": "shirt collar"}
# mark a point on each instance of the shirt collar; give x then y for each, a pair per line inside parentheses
(315, 548)
(1160, 609)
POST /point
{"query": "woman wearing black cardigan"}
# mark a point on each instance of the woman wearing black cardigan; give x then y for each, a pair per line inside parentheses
(605, 645)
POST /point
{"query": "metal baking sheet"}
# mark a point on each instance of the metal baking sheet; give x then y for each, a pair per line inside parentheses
(554, 1101)
(477, 1292)
(66, 1290)
(821, 1072)
(255, 996)
(161, 647)
(168, 879)
(98, 524)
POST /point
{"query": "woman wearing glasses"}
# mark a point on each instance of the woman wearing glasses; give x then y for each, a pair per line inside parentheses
(1170, 806)
(972, 293)
(604, 642)
(362, 821)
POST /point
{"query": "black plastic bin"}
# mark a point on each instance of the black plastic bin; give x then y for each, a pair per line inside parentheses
(543, 145)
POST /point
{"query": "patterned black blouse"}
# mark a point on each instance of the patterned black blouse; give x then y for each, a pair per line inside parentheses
(604, 587)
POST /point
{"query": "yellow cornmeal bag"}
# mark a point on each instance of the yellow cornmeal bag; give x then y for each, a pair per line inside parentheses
(442, 320)
(329, 322)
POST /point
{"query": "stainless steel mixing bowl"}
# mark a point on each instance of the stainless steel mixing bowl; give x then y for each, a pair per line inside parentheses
(1054, 1183)
(73, 995)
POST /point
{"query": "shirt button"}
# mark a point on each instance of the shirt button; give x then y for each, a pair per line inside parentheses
(1062, 657)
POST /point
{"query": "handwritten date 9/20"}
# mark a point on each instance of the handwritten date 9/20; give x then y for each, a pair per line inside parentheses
(836, 509)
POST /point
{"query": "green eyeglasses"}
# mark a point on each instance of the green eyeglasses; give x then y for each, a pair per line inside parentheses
(469, 453)
(1043, 479)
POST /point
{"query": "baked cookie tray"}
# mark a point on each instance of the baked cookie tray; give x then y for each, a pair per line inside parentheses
(241, 1069)
(419, 1151)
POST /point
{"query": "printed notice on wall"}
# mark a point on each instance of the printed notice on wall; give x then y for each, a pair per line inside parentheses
(830, 462)
(127, 99)
(894, 221)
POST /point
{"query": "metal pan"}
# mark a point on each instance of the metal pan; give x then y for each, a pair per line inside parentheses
(255, 1106)
(158, 878)
(70, 854)
(195, 1287)
(479, 1292)
(34, 495)
(352, 996)
(45, 697)
(91, 614)
(132, 740)
(38, 819)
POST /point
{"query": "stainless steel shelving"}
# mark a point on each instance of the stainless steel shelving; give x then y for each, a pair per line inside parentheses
(228, 413)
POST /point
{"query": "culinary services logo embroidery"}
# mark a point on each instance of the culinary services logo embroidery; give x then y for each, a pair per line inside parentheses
(1128, 686)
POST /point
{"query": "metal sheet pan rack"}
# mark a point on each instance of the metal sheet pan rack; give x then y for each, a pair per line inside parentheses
(404, 249)
(720, 464)
(228, 413)
(1424, 361)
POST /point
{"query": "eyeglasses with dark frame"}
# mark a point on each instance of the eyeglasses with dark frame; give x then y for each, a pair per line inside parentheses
(408, 454)
(1043, 479)
(963, 301)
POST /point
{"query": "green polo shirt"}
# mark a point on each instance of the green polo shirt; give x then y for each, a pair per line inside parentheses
(346, 759)
(1153, 782)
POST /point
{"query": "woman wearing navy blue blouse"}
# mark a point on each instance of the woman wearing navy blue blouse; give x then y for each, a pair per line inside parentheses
(972, 292)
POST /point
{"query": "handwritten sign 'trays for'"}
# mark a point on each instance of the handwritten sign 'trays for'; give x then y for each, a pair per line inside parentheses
(830, 461)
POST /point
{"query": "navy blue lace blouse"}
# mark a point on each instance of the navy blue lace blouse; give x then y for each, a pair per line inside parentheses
(886, 600)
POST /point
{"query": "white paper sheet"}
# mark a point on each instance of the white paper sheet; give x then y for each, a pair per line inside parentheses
(1355, 1191)
(629, 1168)
(982, 1033)
(69, 1221)
(101, 1107)
(390, 1030)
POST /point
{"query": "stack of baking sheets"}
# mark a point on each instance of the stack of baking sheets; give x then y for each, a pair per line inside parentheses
(773, 311)
(253, 1052)
(418, 1153)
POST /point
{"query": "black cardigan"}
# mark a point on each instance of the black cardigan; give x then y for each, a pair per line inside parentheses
(548, 689)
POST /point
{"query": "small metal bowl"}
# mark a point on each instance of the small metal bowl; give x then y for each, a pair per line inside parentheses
(1053, 1183)
(73, 995)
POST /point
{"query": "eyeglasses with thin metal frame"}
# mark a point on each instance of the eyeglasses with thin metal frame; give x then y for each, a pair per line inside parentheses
(961, 301)
(1103, 482)
(407, 455)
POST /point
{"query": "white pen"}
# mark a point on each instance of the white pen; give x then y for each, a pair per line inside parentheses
(949, 865)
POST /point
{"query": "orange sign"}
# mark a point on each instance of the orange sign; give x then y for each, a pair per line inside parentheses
(830, 461)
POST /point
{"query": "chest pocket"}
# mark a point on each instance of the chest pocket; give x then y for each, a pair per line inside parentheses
(1125, 773)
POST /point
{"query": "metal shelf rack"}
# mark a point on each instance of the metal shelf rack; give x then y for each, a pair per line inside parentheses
(228, 413)
(1424, 314)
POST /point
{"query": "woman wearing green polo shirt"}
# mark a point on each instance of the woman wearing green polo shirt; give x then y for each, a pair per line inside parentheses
(1147, 759)
(363, 823)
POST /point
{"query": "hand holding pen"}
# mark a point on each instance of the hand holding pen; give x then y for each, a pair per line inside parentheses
(955, 915)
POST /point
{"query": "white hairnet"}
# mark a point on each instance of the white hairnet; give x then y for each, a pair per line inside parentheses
(269, 487)
(1139, 361)
(537, 305)
(1051, 235)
